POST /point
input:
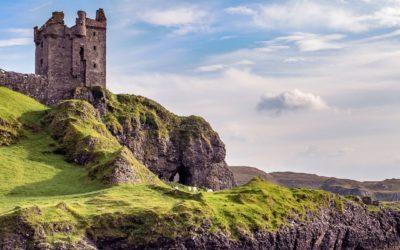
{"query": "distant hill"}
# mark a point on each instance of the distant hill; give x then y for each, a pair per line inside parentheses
(386, 190)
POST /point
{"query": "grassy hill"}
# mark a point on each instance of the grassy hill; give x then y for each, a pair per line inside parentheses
(60, 201)
(386, 190)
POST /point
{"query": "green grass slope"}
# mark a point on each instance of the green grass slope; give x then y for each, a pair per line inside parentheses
(28, 167)
(15, 109)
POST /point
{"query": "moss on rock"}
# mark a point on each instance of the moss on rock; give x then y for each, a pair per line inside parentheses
(85, 140)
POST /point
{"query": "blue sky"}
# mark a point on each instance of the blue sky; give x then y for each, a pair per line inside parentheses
(305, 86)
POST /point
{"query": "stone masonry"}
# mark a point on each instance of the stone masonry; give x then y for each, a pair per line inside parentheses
(66, 58)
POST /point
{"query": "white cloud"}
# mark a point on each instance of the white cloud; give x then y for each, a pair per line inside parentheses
(244, 62)
(183, 19)
(211, 68)
(294, 60)
(341, 16)
(227, 37)
(174, 17)
(300, 14)
(19, 32)
(291, 100)
(15, 42)
(223, 67)
(271, 48)
(314, 42)
(388, 16)
(242, 10)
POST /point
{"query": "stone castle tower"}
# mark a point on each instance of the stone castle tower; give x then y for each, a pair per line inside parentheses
(66, 58)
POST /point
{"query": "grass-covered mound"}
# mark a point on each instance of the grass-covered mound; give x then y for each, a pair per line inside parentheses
(15, 110)
(85, 140)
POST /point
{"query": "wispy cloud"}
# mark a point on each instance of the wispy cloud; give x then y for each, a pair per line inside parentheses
(314, 42)
(300, 14)
(211, 68)
(294, 60)
(19, 32)
(183, 19)
(40, 6)
(222, 67)
(15, 42)
(241, 10)
(321, 15)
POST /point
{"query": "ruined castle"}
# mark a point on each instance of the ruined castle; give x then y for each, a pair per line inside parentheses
(65, 58)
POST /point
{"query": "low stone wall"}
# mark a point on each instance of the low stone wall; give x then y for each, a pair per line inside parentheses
(32, 85)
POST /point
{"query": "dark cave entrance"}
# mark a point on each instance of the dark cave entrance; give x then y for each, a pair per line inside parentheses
(181, 176)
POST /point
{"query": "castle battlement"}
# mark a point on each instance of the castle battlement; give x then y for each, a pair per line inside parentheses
(65, 58)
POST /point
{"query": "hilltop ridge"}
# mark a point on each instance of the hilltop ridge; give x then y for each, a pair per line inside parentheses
(386, 190)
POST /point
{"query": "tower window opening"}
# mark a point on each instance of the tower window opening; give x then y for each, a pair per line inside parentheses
(82, 53)
(94, 65)
(95, 48)
(94, 33)
(41, 61)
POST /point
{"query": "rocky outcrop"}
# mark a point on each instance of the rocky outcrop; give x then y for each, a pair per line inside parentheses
(352, 228)
(172, 147)
(86, 141)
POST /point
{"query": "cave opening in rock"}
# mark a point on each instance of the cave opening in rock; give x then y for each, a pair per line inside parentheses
(181, 176)
(175, 177)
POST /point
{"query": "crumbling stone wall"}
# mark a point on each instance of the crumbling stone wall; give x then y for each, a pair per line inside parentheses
(35, 86)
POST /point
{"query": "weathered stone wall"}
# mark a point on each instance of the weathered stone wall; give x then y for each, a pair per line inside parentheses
(95, 53)
(35, 86)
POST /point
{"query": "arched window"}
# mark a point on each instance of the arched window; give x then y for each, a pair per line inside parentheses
(95, 48)
(41, 61)
(94, 65)
(94, 33)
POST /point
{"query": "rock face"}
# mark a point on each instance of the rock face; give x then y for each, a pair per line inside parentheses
(354, 228)
(169, 145)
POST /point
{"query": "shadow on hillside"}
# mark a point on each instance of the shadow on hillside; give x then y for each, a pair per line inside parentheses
(69, 179)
